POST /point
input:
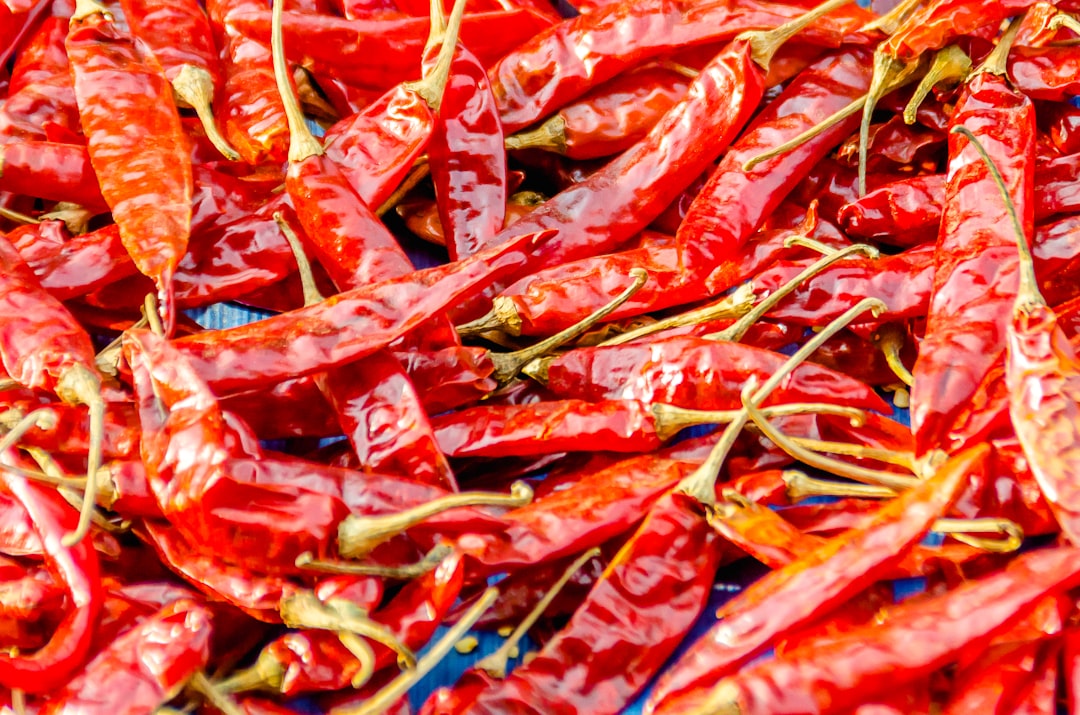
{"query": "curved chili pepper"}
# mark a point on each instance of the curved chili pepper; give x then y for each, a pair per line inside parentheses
(610, 118)
(134, 138)
(143, 668)
(941, 21)
(814, 677)
(178, 35)
(50, 667)
(467, 159)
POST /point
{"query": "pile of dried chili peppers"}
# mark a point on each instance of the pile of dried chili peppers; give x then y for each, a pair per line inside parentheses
(567, 320)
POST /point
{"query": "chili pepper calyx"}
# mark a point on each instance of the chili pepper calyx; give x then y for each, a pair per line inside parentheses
(886, 71)
(432, 85)
(951, 65)
(266, 673)
(503, 316)
(194, 87)
(996, 62)
(765, 44)
(86, 8)
(890, 21)
(551, 135)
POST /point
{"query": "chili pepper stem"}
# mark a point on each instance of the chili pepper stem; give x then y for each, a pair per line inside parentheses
(701, 485)
(886, 70)
(827, 464)
(266, 673)
(1065, 20)
(430, 560)
(214, 695)
(359, 535)
(76, 219)
(951, 64)
(437, 15)
(962, 530)
(763, 45)
(503, 317)
(364, 655)
(735, 305)
(508, 365)
(496, 663)
(86, 8)
(888, 456)
(802, 486)
(17, 217)
(302, 143)
(890, 21)
(307, 278)
(995, 62)
(670, 419)
(890, 340)
(305, 610)
(551, 135)
(1027, 293)
(42, 418)
(734, 332)
(78, 385)
(401, 685)
(195, 87)
(432, 85)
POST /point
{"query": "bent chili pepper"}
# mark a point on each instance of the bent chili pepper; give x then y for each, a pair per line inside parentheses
(135, 141)
(50, 667)
(144, 668)
(811, 586)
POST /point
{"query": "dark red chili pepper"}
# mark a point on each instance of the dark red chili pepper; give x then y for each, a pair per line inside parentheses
(135, 141)
(144, 668)
(179, 37)
(347, 326)
(468, 160)
(810, 586)
(51, 666)
(990, 683)
(610, 118)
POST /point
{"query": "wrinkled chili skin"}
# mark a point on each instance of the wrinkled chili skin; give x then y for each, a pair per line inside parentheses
(177, 33)
(904, 213)
(976, 274)
(594, 665)
(1048, 73)
(566, 60)
(734, 202)
(125, 103)
(468, 159)
(698, 373)
(50, 170)
(936, 24)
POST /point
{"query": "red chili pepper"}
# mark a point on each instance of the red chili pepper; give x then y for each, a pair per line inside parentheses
(47, 170)
(993, 681)
(134, 137)
(941, 21)
(808, 588)
(48, 668)
(610, 118)
(41, 97)
(144, 668)
(468, 159)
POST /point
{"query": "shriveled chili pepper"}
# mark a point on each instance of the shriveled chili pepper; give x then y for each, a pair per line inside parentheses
(76, 566)
(566, 60)
(812, 678)
(178, 35)
(467, 159)
(41, 98)
(49, 170)
(134, 138)
(939, 22)
(352, 325)
(821, 581)
(609, 119)
(143, 668)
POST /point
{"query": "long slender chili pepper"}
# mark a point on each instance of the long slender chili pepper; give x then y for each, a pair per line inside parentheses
(179, 36)
(815, 677)
(966, 322)
(134, 138)
(76, 566)
(50, 170)
(811, 586)
(145, 667)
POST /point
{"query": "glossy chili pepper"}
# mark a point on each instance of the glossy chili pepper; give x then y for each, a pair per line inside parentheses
(563, 62)
(28, 594)
(468, 160)
(48, 170)
(83, 264)
(821, 581)
(143, 668)
(179, 37)
(710, 375)
(995, 679)
(966, 323)
(963, 620)
(941, 21)
(76, 567)
(41, 98)
(348, 326)
(17, 24)
(134, 137)
(609, 119)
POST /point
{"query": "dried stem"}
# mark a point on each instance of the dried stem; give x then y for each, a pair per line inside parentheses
(732, 306)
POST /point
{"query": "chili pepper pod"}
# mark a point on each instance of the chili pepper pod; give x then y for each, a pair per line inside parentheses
(143, 668)
(134, 137)
(76, 566)
(178, 34)
(49, 170)
(813, 585)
